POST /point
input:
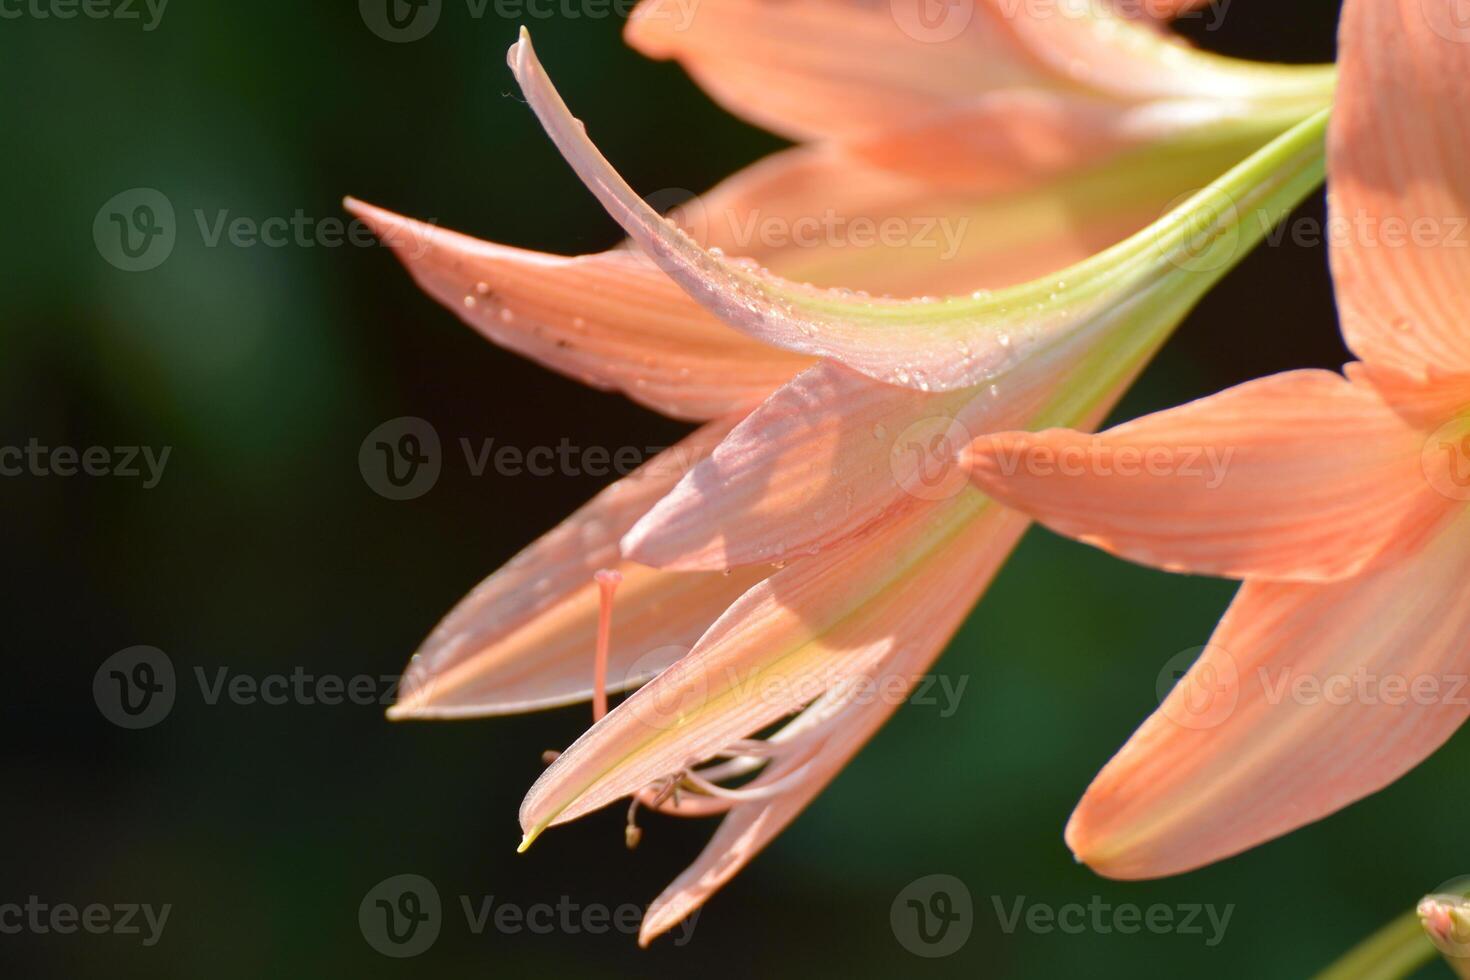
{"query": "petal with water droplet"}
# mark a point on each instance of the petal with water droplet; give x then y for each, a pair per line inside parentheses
(954, 342)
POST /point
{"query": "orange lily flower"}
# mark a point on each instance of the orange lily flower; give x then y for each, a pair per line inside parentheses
(1339, 500)
(795, 551)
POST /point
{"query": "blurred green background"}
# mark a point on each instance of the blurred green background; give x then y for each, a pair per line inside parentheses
(263, 550)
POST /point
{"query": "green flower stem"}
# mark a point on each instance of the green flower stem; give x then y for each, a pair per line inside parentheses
(1396, 950)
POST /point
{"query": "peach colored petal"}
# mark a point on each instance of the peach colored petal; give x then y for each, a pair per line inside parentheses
(1160, 9)
(825, 68)
(1423, 404)
(1300, 476)
(1084, 43)
(933, 345)
(611, 320)
(832, 452)
(1011, 140)
(750, 827)
(800, 632)
(839, 68)
(1308, 698)
(996, 192)
(523, 639)
(1399, 185)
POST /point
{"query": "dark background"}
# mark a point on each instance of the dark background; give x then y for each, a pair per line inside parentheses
(263, 550)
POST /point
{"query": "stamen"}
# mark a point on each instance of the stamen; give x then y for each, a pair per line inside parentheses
(753, 792)
(747, 746)
(607, 583)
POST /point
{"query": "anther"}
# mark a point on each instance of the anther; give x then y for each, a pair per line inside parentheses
(631, 833)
